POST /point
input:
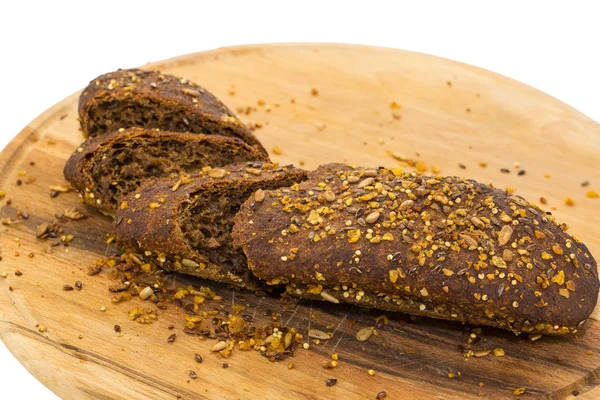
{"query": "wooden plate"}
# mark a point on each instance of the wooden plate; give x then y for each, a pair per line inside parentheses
(450, 114)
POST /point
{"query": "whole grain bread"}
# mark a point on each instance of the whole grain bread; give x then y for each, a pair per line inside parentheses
(107, 167)
(441, 247)
(187, 227)
(149, 99)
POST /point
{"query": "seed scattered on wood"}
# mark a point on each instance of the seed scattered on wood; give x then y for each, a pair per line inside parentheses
(365, 333)
(78, 285)
(68, 288)
(381, 395)
(146, 293)
(498, 352)
(331, 382)
(172, 338)
(218, 346)
(318, 334)
(41, 231)
(519, 391)
(543, 200)
(60, 188)
(259, 195)
(225, 365)
(18, 273)
(534, 337)
(481, 353)
(585, 183)
(73, 213)
(371, 372)
(198, 358)
(462, 166)
(505, 170)
(521, 172)
(193, 375)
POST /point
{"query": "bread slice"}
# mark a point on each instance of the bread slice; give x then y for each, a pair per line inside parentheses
(187, 227)
(441, 247)
(106, 168)
(149, 99)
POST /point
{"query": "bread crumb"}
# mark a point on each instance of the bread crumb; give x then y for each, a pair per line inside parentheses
(277, 150)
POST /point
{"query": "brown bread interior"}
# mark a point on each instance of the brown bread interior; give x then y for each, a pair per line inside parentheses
(107, 116)
(124, 166)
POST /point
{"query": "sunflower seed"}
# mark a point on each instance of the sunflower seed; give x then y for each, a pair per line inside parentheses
(365, 333)
(329, 297)
(317, 334)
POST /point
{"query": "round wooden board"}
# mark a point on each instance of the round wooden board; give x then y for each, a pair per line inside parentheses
(450, 113)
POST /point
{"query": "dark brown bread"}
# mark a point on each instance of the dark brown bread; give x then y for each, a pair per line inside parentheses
(149, 99)
(189, 229)
(106, 168)
(442, 247)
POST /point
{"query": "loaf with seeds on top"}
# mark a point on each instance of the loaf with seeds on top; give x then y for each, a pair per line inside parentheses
(106, 168)
(441, 247)
(187, 225)
(149, 99)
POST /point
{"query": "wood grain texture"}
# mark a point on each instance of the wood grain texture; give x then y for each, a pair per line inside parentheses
(506, 122)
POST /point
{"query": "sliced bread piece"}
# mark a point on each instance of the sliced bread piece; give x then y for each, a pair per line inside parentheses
(441, 247)
(187, 227)
(106, 168)
(149, 99)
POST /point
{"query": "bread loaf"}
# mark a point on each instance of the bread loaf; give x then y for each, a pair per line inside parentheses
(149, 99)
(441, 247)
(107, 167)
(187, 226)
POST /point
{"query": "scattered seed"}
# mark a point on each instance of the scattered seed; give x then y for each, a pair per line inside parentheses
(498, 352)
(78, 285)
(318, 334)
(193, 375)
(543, 200)
(381, 395)
(569, 201)
(18, 273)
(371, 372)
(314, 92)
(225, 365)
(198, 358)
(146, 293)
(73, 213)
(68, 288)
(218, 346)
(534, 337)
(481, 353)
(462, 166)
(505, 170)
(117, 328)
(172, 338)
(41, 231)
(365, 333)
(585, 183)
(519, 391)
(331, 382)
(102, 308)
(521, 172)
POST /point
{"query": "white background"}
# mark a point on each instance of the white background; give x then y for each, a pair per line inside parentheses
(51, 49)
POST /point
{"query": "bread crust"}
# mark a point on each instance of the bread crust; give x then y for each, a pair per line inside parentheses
(442, 247)
(151, 95)
(150, 221)
(80, 168)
